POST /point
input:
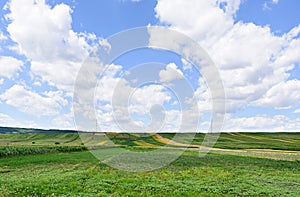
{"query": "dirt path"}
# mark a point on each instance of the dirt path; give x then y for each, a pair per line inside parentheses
(261, 153)
(166, 141)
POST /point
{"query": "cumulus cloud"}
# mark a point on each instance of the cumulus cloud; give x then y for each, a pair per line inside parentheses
(45, 36)
(284, 95)
(253, 62)
(107, 83)
(64, 121)
(170, 73)
(203, 95)
(131, 109)
(256, 123)
(202, 20)
(251, 59)
(9, 66)
(28, 101)
(144, 98)
(121, 106)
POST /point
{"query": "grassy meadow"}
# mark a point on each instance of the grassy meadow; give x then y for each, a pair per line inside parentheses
(55, 163)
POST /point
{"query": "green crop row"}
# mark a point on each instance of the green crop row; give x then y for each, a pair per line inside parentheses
(6, 151)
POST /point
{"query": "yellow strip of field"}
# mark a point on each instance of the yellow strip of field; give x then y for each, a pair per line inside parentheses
(102, 142)
(163, 140)
(261, 153)
(143, 143)
(264, 138)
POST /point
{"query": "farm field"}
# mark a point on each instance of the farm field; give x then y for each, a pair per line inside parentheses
(47, 163)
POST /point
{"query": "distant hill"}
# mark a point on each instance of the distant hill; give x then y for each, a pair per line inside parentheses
(14, 130)
(263, 140)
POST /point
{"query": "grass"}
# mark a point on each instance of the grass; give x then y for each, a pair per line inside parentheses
(45, 163)
(277, 141)
(70, 139)
(80, 174)
(6, 151)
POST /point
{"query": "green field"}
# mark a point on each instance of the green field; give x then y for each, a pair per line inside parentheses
(47, 163)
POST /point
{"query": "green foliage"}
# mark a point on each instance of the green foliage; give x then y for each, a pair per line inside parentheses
(276, 141)
(129, 139)
(6, 151)
(279, 141)
(80, 174)
(35, 169)
(71, 139)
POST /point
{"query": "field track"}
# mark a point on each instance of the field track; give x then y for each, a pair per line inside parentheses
(261, 153)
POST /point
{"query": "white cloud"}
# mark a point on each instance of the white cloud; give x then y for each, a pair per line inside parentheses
(247, 69)
(281, 96)
(186, 65)
(123, 101)
(118, 103)
(297, 111)
(1, 81)
(107, 83)
(254, 63)
(64, 121)
(60, 74)
(142, 99)
(293, 33)
(9, 66)
(131, 107)
(105, 44)
(262, 123)
(130, 104)
(2, 36)
(170, 73)
(251, 59)
(6, 120)
(173, 121)
(45, 36)
(203, 94)
(200, 19)
(267, 4)
(37, 83)
(30, 102)
(250, 41)
(291, 55)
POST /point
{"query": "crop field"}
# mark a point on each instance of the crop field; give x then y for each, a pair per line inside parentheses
(56, 163)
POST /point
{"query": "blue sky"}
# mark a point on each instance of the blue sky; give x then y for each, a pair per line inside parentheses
(254, 44)
(281, 17)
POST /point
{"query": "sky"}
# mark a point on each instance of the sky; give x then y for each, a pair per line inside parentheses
(254, 44)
